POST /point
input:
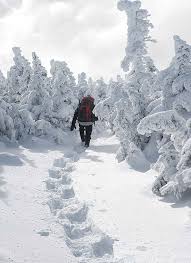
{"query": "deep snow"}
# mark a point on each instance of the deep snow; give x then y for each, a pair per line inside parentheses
(94, 201)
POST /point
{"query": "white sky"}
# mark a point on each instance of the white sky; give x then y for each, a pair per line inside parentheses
(89, 35)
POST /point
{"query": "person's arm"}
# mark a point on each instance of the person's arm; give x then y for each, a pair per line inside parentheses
(95, 118)
(73, 126)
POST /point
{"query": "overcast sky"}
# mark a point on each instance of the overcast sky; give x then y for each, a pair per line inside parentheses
(89, 35)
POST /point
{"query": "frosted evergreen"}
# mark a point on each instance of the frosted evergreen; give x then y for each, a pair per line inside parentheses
(132, 107)
(18, 77)
(39, 102)
(171, 120)
(82, 86)
(64, 98)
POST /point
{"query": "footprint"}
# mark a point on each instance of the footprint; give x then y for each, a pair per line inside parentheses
(77, 213)
(72, 156)
(77, 231)
(69, 168)
(44, 233)
(50, 184)
(60, 162)
(66, 179)
(103, 246)
(103, 210)
(98, 187)
(55, 203)
(54, 173)
(68, 192)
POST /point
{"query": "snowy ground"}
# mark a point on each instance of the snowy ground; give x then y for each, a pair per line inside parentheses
(25, 219)
(149, 229)
(64, 204)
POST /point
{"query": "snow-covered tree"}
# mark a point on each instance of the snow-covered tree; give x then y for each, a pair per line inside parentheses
(23, 122)
(16, 123)
(64, 97)
(82, 86)
(138, 34)
(7, 131)
(3, 84)
(100, 90)
(91, 85)
(131, 108)
(171, 119)
(38, 101)
(106, 109)
(18, 77)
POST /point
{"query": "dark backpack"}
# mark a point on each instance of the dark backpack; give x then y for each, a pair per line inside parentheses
(85, 109)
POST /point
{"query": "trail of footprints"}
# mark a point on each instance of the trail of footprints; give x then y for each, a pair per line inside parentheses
(86, 241)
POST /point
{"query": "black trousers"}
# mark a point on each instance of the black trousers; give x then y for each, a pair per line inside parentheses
(85, 134)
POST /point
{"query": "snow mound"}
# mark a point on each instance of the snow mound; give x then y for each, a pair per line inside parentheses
(44, 233)
(137, 159)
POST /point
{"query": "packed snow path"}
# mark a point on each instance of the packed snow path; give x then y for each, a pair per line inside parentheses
(94, 201)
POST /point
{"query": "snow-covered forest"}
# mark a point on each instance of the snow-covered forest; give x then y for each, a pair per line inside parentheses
(147, 110)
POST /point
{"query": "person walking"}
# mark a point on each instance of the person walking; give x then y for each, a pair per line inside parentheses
(86, 118)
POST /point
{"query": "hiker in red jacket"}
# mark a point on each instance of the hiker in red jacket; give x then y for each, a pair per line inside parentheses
(86, 118)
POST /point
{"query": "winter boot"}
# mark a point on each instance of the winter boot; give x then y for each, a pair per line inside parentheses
(87, 144)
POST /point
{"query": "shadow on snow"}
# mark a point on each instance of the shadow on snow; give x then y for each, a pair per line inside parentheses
(184, 201)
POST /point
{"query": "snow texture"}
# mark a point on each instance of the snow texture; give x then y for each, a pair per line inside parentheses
(86, 241)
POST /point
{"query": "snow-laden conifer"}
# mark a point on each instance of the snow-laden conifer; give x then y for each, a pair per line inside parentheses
(18, 77)
(64, 95)
(7, 130)
(138, 34)
(171, 119)
(82, 86)
(106, 109)
(3, 84)
(100, 90)
(38, 101)
(131, 108)
(23, 122)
